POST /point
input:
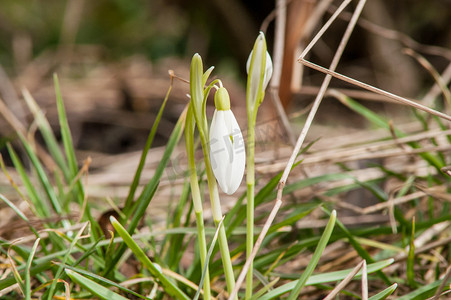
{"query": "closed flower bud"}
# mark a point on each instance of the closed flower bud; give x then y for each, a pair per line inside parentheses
(227, 148)
(268, 68)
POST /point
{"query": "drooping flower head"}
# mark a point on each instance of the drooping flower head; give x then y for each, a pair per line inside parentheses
(227, 148)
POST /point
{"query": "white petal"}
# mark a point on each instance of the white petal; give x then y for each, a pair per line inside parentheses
(227, 151)
(268, 68)
(238, 154)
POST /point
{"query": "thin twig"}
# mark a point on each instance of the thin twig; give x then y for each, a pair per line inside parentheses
(442, 285)
(364, 281)
(345, 281)
(274, 86)
(429, 98)
(441, 82)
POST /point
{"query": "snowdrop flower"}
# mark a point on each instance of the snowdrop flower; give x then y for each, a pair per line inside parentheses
(227, 148)
(268, 69)
(259, 70)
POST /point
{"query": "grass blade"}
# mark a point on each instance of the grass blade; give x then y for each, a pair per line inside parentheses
(316, 256)
(142, 160)
(411, 258)
(47, 133)
(65, 258)
(207, 259)
(95, 288)
(103, 280)
(324, 278)
(27, 270)
(41, 208)
(65, 131)
(385, 293)
(169, 287)
(42, 176)
(140, 206)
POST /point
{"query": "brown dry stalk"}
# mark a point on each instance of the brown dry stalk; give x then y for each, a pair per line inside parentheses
(345, 281)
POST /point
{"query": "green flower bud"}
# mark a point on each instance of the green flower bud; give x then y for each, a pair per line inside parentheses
(222, 99)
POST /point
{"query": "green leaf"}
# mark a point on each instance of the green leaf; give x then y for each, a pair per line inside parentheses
(27, 270)
(104, 280)
(380, 122)
(47, 134)
(324, 278)
(207, 259)
(65, 131)
(385, 293)
(95, 288)
(423, 292)
(140, 206)
(42, 176)
(142, 160)
(39, 205)
(70, 156)
(169, 287)
(65, 258)
(315, 258)
(206, 75)
(411, 258)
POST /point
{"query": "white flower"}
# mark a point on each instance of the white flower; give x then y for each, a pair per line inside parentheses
(268, 69)
(227, 148)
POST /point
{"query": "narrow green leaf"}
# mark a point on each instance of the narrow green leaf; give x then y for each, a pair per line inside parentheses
(411, 258)
(103, 280)
(263, 290)
(65, 131)
(47, 134)
(140, 206)
(142, 160)
(66, 137)
(169, 287)
(42, 176)
(315, 258)
(325, 278)
(423, 292)
(27, 270)
(65, 258)
(380, 122)
(206, 75)
(360, 250)
(95, 288)
(39, 206)
(207, 259)
(385, 293)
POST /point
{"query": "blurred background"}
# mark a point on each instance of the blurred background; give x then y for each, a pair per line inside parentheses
(113, 57)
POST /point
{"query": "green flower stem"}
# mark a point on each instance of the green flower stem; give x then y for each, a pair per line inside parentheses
(197, 200)
(203, 252)
(198, 102)
(250, 179)
(254, 97)
(217, 217)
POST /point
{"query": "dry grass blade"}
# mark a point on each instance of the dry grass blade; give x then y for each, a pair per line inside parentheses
(364, 281)
(441, 82)
(443, 284)
(429, 98)
(281, 14)
(345, 281)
